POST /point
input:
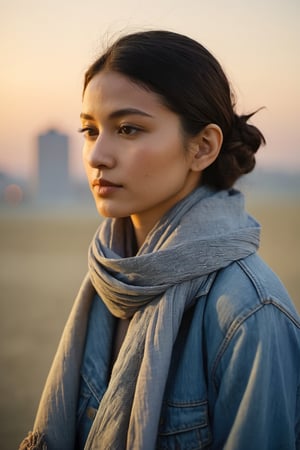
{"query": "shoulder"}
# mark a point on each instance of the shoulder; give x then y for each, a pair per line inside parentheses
(248, 302)
(242, 289)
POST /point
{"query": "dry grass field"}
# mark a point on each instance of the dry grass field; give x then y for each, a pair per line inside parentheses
(43, 260)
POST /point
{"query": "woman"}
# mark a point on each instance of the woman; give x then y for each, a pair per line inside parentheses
(180, 337)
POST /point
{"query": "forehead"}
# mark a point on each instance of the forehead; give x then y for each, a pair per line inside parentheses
(111, 90)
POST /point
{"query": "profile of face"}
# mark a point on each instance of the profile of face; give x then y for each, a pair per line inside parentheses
(137, 160)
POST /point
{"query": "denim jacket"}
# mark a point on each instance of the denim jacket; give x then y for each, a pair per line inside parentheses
(235, 372)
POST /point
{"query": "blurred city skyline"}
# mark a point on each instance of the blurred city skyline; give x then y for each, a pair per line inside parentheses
(52, 183)
(46, 48)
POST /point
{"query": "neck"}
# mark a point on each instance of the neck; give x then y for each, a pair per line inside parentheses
(141, 229)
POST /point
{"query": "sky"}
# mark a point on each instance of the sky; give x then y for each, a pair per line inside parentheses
(46, 47)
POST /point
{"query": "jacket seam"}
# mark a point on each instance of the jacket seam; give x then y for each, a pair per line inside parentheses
(91, 387)
(265, 299)
(233, 329)
(229, 335)
(270, 301)
(191, 404)
(182, 430)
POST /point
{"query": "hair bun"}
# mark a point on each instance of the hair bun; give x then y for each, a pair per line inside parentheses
(237, 155)
(244, 134)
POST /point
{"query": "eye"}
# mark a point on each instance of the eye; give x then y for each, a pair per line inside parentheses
(89, 132)
(128, 130)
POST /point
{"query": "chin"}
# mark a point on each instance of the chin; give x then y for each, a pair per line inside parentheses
(109, 213)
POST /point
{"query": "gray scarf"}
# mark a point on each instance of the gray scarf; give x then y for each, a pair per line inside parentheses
(203, 233)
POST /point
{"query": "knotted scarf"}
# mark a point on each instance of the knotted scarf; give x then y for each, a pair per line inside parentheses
(203, 233)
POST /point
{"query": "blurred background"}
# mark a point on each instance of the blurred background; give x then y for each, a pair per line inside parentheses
(47, 213)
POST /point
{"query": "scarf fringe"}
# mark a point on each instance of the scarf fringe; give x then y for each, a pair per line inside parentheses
(34, 441)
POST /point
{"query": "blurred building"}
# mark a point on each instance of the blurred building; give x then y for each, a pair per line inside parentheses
(54, 182)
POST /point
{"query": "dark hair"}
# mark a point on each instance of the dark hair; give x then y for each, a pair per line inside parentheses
(191, 83)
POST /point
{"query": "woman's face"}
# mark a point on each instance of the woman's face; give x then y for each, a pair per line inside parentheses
(136, 159)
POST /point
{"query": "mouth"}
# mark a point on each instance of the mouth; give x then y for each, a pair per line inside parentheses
(104, 183)
(104, 187)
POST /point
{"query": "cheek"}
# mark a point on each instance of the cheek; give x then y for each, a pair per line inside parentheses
(159, 156)
(148, 166)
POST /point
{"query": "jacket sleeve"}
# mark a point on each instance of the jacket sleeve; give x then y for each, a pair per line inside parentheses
(255, 380)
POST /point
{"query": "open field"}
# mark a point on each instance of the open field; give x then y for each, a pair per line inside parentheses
(43, 261)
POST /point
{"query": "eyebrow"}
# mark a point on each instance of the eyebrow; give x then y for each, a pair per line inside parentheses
(119, 113)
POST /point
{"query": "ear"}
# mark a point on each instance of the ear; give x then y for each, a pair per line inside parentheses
(205, 147)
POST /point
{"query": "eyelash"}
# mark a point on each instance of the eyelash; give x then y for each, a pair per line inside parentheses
(131, 130)
(88, 131)
(123, 130)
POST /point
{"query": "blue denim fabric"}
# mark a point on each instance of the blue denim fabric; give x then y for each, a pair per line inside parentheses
(234, 377)
(94, 381)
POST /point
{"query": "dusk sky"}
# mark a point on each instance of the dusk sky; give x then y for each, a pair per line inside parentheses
(47, 46)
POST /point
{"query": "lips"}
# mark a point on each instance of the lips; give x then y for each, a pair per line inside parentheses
(104, 183)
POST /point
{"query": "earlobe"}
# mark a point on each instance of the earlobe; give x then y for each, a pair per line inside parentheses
(205, 147)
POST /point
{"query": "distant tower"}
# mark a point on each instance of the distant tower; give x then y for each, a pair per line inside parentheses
(53, 167)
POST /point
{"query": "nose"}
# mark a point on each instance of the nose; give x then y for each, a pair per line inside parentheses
(99, 153)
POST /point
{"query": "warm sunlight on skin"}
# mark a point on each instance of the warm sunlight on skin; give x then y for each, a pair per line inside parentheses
(137, 162)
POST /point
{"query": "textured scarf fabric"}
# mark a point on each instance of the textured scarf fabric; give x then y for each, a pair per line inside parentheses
(203, 233)
(154, 288)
